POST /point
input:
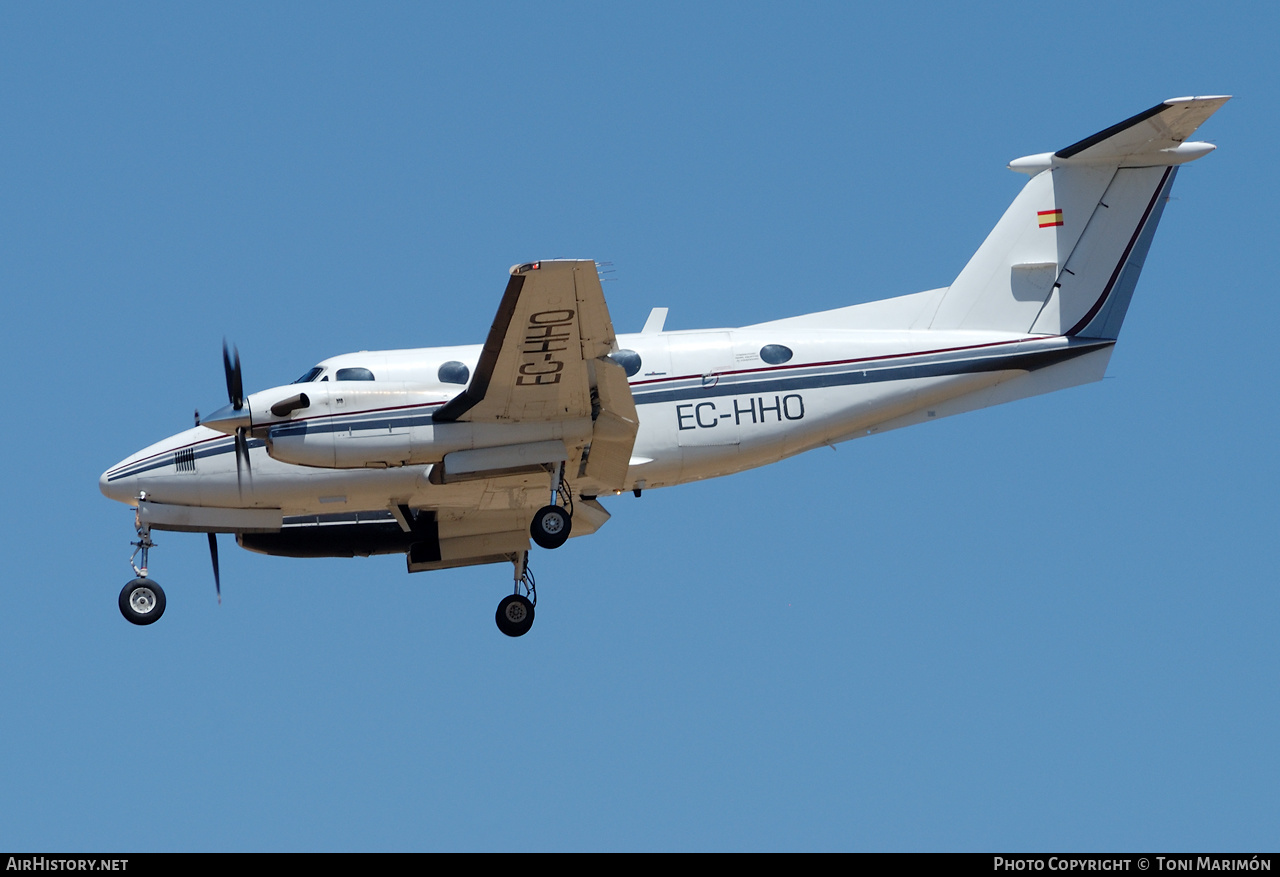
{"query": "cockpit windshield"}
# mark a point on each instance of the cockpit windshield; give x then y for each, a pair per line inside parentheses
(309, 376)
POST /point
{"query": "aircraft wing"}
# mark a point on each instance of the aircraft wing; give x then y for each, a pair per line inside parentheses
(546, 359)
(551, 322)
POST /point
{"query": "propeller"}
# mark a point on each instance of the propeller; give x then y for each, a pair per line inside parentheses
(235, 382)
(213, 554)
(235, 394)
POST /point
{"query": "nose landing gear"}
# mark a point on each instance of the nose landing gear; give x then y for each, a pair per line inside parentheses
(142, 600)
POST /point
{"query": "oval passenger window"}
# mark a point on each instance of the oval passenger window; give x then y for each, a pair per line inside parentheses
(628, 359)
(454, 372)
(775, 354)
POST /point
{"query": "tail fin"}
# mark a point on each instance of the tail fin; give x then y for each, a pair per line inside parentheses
(1065, 257)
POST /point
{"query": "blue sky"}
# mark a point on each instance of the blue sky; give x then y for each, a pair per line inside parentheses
(1049, 625)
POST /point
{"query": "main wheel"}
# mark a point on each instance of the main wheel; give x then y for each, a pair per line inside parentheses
(551, 526)
(142, 601)
(515, 615)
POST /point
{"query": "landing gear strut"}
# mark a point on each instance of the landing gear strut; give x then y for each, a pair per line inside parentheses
(552, 523)
(515, 613)
(142, 600)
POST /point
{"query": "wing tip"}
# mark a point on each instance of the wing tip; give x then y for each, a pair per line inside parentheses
(1215, 98)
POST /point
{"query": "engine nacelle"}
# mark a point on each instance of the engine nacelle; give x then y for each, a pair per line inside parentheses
(355, 424)
(361, 425)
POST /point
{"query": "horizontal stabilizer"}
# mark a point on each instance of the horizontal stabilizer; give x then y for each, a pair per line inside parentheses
(1164, 126)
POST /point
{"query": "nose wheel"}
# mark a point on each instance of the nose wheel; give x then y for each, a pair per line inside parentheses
(142, 601)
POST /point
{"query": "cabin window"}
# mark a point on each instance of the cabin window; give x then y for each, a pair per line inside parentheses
(628, 359)
(454, 372)
(353, 374)
(775, 354)
(309, 376)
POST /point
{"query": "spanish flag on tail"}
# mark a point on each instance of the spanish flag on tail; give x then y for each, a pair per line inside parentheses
(1049, 218)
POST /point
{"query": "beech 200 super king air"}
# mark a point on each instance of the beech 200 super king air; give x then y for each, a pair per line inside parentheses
(456, 456)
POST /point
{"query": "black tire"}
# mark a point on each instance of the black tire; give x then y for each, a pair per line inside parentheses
(142, 601)
(551, 526)
(515, 615)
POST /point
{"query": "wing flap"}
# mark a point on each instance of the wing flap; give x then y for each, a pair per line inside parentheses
(613, 433)
(473, 536)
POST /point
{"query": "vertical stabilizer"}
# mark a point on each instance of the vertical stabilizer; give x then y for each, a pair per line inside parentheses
(1103, 269)
(1065, 257)
(1006, 283)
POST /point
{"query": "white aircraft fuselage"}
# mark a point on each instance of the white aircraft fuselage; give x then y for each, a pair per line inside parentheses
(708, 405)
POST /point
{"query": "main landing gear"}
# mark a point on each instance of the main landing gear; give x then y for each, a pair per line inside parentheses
(515, 613)
(552, 523)
(550, 528)
(142, 600)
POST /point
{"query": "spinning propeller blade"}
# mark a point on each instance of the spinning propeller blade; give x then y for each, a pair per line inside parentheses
(213, 554)
(235, 384)
(242, 449)
(235, 394)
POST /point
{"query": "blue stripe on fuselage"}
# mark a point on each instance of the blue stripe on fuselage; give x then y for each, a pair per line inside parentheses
(744, 385)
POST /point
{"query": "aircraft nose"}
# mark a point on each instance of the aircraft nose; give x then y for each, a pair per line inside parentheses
(119, 488)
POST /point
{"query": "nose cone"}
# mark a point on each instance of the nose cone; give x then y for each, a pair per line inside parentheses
(168, 471)
(116, 485)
